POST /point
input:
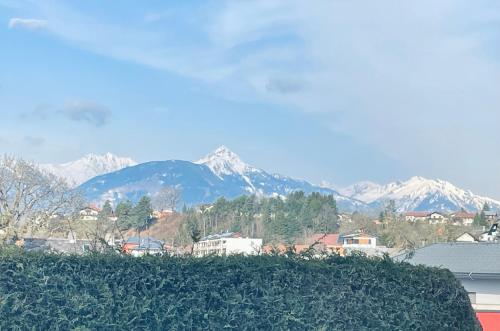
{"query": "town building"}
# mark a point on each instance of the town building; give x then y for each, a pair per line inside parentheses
(491, 216)
(413, 216)
(89, 213)
(330, 242)
(462, 218)
(139, 246)
(60, 245)
(491, 235)
(358, 240)
(317, 243)
(227, 244)
(476, 266)
(437, 218)
(467, 237)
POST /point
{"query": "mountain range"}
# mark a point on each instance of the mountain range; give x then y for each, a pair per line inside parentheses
(418, 194)
(219, 174)
(223, 174)
(87, 167)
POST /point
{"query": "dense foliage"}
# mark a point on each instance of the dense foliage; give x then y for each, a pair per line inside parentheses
(274, 219)
(134, 217)
(111, 292)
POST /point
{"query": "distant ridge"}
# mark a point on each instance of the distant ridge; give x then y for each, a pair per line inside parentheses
(222, 173)
(87, 167)
(419, 194)
(219, 174)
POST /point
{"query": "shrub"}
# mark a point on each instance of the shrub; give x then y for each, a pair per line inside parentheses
(112, 292)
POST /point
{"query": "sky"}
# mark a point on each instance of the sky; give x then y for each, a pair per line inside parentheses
(337, 91)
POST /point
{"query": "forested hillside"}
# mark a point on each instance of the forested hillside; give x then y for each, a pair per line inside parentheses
(274, 219)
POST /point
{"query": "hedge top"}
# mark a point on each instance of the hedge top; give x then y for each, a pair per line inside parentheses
(113, 292)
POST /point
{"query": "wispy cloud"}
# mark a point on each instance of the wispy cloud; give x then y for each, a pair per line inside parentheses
(87, 112)
(83, 111)
(284, 85)
(27, 23)
(402, 76)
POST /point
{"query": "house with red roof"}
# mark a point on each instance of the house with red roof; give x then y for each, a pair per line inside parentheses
(89, 213)
(413, 216)
(330, 242)
(462, 218)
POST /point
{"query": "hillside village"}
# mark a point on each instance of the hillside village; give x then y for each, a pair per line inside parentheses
(165, 226)
(476, 238)
(249, 165)
(307, 224)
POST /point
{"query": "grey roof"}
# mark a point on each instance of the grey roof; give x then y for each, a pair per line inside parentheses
(220, 236)
(460, 258)
(135, 240)
(149, 245)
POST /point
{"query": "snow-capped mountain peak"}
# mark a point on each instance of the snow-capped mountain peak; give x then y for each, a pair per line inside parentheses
(91, 165)
(224, 162)
(419, 193)
(219, 174)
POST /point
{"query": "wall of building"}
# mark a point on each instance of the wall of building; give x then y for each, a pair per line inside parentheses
(485, 291)
(248, 246)
(361, 242)
(228, 246)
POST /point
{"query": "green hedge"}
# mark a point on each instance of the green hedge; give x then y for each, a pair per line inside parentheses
(110, 292)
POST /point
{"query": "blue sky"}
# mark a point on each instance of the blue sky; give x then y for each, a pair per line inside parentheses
(339, 91)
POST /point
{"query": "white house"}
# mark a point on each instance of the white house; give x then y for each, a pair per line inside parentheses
(437, 218)
(462, 218)
(358, 240)
(89, 213)
(227, 244)
(413, 216)
(466, 237)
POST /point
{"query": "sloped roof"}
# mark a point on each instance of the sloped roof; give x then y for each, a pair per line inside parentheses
(469, 234)
(459, 258)
(357, 234)
(418, 213)
(463, 214)
(142, 240)
(327, 239)
(222, 235)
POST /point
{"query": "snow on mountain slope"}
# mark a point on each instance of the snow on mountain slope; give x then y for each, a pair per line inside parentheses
(220, 173)
(89, 166)
(223, 162)
(419, 193)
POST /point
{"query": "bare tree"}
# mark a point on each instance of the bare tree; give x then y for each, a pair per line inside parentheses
(29, 197)
(167, 198)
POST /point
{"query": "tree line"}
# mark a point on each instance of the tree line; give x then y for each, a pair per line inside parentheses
(276, 219)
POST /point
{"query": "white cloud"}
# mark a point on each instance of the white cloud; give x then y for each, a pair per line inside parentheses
(83, 111)
(88, 112)
(27, 23)
(406, 76)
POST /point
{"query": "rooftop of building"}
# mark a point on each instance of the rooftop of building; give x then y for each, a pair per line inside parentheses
(459, 257)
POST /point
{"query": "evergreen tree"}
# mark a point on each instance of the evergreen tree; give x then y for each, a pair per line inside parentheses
(106, 212)
(480, 219)
(142, 213)
(124, 213)
(486, 207)
(194, 229)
